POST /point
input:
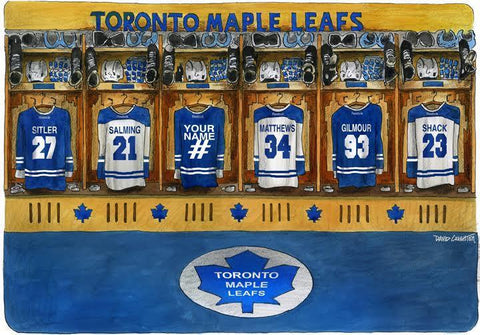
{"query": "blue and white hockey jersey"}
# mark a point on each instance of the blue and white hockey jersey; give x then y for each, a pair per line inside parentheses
(43, 151)
(123, 147)
(199, 146)
(357, 153)
(278, 151)
(432, 145)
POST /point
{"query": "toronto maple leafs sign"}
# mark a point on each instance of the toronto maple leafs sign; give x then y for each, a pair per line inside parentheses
(247, 282)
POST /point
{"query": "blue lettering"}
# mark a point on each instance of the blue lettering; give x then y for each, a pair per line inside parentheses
(108, 22)
(358, 25)
(259, 22)
(232, 22)
(98, 19)
(128, 18)
(310, 21)
(156, 22)
(193, 17)
(340, 19)
(175, 17)
(214, 22)
(326, 22)
(247, 19)
(294, 23)
(147, 19)
(274, 21)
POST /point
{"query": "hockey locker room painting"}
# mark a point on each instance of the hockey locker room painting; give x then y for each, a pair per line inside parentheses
(235, 168)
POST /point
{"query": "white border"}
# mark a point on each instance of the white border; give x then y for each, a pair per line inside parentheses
(475, 4)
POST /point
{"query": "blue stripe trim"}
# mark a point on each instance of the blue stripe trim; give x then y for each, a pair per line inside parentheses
(435, 175)
(130, 172)
(442, 170)
(412, 157)
(272, 176)
(124, 177)
(277, 171)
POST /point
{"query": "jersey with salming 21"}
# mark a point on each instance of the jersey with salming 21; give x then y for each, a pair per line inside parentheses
(357, 154)
(432, 145)
(278, 152)
(123, 147)
(43, 151)
(199, 146)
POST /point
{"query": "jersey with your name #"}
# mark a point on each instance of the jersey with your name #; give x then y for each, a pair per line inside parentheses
(123, 147)
(278, 152)
(432, 145)
(43, 151)
(357, 154)
(199, 146)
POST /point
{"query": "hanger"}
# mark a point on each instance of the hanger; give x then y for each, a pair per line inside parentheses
(42, 105)
(433, 104)
(279, 104)
(198, 106)
(357, 103)
(123, 104)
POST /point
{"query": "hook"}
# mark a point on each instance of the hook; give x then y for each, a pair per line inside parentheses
(434, 95)
(357, 94)
(281, 97)
(43, 97)
(136, 100)
(34, 101)
(54, 100)
(111, 101)
(124, 94)
(368, 97)
(199, 98)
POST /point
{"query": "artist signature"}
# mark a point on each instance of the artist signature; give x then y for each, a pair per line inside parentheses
(455, 238)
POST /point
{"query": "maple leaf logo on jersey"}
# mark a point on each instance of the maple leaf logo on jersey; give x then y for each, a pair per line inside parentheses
(82, 213)
(395, 213)
(246, 281)
(159, 212)
(238, 212)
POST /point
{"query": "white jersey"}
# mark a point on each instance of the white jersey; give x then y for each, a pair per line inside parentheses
(432, 155)
(278, 152)
(123, 147)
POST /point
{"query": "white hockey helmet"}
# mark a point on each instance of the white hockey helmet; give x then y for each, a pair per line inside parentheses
(195, 70)
(112, 70)
(427, 68)
(36, 70)
(269, 71)
(351, 70)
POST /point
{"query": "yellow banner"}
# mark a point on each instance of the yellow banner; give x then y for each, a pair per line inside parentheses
(41, 15)
(233, 213)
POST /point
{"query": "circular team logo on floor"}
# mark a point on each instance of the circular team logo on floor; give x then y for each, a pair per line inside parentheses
(247, 282)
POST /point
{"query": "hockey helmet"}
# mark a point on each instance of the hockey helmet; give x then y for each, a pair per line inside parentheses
(350, 70)
(36, 70)
(112, 70)
(269, 71)
(427, 68)
(196, 70)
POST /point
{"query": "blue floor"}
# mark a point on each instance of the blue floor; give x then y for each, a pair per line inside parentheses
(128, 282)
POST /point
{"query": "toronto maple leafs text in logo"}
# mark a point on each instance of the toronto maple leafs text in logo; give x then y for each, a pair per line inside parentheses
(247, 281)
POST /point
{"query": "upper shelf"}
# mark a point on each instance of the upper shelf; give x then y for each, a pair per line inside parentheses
(44, 86)
(46, 51)
(436, 84)
(358, 85)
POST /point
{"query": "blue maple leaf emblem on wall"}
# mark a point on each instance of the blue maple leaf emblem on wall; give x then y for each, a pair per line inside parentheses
(395, 213)
(159, 212)
(224, 282)
(314, 213)
(82, 213)
(238, 212)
